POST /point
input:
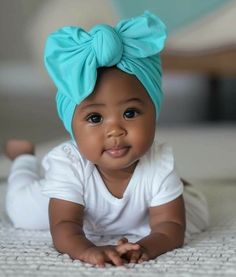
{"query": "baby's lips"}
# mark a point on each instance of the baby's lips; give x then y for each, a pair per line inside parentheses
(117, 152)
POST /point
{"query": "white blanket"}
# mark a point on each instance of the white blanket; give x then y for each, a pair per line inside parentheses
(31, 253)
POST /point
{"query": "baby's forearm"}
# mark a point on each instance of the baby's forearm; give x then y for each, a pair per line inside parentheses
(165, 238)
(69, 238)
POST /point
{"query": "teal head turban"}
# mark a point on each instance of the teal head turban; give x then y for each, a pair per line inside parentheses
(72, 57)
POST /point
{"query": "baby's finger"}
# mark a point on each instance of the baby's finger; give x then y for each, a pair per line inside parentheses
(99, 260)
(134, 257)
(122, 241)
(114, 257)
(144, 257)
(125, 247)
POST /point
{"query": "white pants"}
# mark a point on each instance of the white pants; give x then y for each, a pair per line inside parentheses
(27, 207)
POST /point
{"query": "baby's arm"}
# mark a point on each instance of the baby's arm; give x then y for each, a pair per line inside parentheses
(66, 225)
(167, 223)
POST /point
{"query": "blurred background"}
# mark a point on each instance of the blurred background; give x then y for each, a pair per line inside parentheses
(199, 62)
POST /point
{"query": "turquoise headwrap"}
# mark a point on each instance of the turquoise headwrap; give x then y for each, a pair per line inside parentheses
(73, 55)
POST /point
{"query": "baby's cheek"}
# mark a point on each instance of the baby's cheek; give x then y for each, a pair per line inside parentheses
(143, 137)
(90, 148)
(85, 150)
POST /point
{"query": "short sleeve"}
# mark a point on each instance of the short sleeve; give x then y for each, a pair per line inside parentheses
(165, 184)
(170, 189)
(64, 174)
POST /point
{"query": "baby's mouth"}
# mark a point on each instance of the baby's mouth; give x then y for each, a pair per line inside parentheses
(117, 152)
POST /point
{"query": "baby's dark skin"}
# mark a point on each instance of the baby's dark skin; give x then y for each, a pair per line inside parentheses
(118, 112)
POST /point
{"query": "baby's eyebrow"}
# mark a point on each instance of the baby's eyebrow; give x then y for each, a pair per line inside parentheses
(92, 105)
(133, 99)
(97, 105)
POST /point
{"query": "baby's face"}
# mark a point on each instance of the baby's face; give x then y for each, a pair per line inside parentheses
(115, 125)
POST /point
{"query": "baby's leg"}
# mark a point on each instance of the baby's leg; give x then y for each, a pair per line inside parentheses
(197, 214)
(25, 204)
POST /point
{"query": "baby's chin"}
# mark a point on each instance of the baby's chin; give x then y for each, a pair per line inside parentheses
(118, 165)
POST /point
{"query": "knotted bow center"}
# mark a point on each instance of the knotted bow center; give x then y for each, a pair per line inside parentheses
(107, 44)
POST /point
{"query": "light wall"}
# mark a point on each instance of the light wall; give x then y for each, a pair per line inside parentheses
(175, 13)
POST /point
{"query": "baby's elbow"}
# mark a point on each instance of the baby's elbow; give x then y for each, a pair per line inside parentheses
(179, 240)
(176, 236)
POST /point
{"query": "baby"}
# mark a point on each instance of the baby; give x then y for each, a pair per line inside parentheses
(113, 178)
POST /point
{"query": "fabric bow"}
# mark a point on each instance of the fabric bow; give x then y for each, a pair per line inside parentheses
(73, 55)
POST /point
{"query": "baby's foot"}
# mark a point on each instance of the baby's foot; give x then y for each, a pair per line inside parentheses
(17, 147)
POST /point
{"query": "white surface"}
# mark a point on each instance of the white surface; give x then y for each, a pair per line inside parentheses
(207, 152)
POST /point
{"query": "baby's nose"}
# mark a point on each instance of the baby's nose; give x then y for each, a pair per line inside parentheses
(116, 131)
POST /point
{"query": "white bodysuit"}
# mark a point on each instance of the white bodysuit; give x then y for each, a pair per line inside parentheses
(71, 177)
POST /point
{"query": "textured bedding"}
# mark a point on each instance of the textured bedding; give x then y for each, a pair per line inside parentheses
(212, 253)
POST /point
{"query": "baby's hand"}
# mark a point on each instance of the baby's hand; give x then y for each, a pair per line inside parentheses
(99, 255)
(135, 255)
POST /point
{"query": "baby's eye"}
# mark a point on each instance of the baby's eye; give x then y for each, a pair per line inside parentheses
(130, 113)
(94, 118)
